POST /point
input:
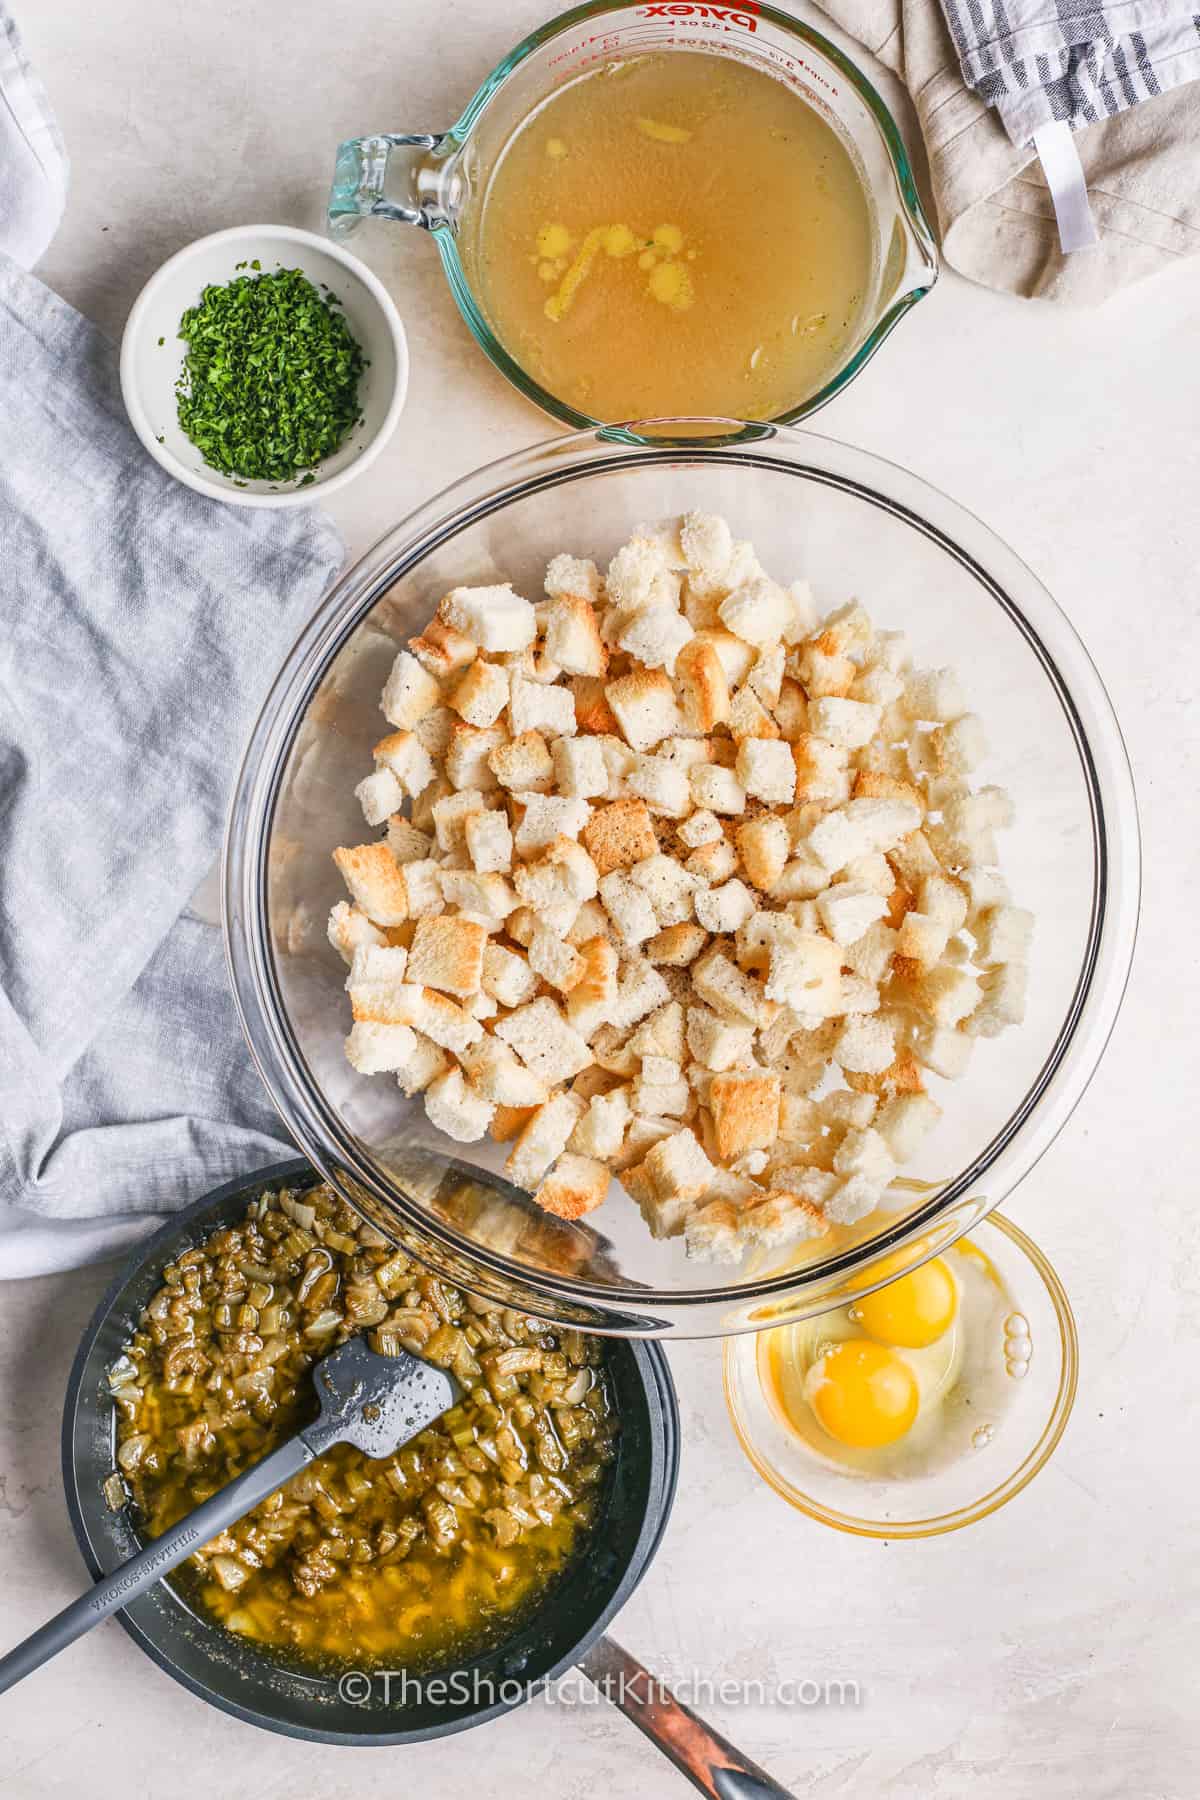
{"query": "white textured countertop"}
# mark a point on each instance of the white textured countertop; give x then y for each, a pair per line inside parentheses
(1047, 1653)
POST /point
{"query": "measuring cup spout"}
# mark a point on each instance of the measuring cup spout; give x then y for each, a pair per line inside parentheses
(391, 175)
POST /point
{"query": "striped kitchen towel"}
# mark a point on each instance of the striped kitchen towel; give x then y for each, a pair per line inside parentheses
(1050, 67)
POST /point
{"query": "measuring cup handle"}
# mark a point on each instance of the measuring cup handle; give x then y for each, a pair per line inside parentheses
(380, 177)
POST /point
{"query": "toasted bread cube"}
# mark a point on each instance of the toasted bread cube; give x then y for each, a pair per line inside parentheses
(847, 1110)
(859, 827)
(576, 1185)
(766, 675)
(450, 815)
(669, 889)
(494, 1071)
(721, 984)
(467, 755)
(745, 1110)
(767, 770)
(447, 953)
(945, 995)
(804, 971)
(555, 961)
(852, 1199)
(442, 651)
(960, 746)
(487, 899)
(640, 573)
(791, 711)
(825, 673)
(717, 789)
(424, 888)
(702, 685)
(904, 1122)
(405, 842)
(580, 771)
(424, 1064)
(724, 909)
(548, 816)
(749, 718)
(866, 1044)
(846, 910)
(374, 1048)
(902, 1076)
(377, 962)
(481, 694)
(706, 542)
(544, 1041)
(405, 757)
(858, 996)
(543, 1140)
(493, 617)
(456, 1109)
(629, 908)
(489, 842)
(701, 828)
(543, 885)
(802, 877)
(640, 990)
(507, 976)
(572, 575)
(821, 773)
(540, 706)
(1002, 934)
(944, 1050)
(573, 636)
(618, 760)
(409, 692)
(524, 763)
(507, 1121)
(678, 1169)
(799, 1119)
(654, 636)
(375, 882)
(349, 929)
(379, 795)
(592, 711)
(661, 784)
(934, 694)
(877, 686)
(590, 921)
(922, 938)
(1002, 1000)
(619, 835)
(758, 932)
(602, 1128)
(677, 945)
(685, 751)
(872, 871)
(643, 703)
(660, 1099)
(945, 900)
(717, 1042)
(849, 723)
(713, 863)
(759, 611)
(785, 1215)
(867, 1154)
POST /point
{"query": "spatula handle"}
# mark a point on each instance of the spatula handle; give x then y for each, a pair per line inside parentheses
(166, 1552)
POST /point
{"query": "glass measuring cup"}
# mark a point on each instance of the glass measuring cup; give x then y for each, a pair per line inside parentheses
(433, 179)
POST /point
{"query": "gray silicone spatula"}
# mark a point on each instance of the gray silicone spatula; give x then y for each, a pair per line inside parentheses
(376, 1403)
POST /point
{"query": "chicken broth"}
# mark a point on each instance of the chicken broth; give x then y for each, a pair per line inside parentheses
(431, 1553)
(678, 233)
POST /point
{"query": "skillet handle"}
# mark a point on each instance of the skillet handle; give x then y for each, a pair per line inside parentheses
(709, 1761)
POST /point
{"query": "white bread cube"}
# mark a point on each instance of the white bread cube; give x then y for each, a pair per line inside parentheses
(494, 1071)
(802, 877)
(759, 611)
(717, 789)
(847, 1110)
(660, 1100)
(450, 815)
(766, 769)
(858, 996)
(984, 888)
(670, 890)
(859, 827)
(700, 828)
(722, 985)
(804, 971)
(507, 976)
(849, 723)
(904, 1122)
(922, 938)
(848, 630)
(441, 650)
(945, 995)
(718, 1043)
(749, 718)
(946, 1051)
(662, 1036)
(481, 1006)
(766, 675)
(763, 847)
(640, 990)
(489, 842)
(945, 900)
(524, 764)
(481, 694)
(544, 1041)
(602, 1128)
(866, 1044)
(580, 771)
(408, 760)
(447, 953)
(576, 1185)
(423, 1065)
(959, 746)
(548, 816)
(677, 1168)
(375, 882)
(825, 672)
(572, 575)
(658, 1071)
(935, 695)
(409, 693)
(872, 871)
(422, 880)
(374, 1048)
(1002, 934)
(377, 963)
(555, 961)
(543, 1139)
(349, 929)
(644, 706)
(867, 1154)
(847, 910)
(654, 636)
(724, 909)
(488, 899)
(662, 784)
(712, 862)
(468, 755)
(405, 842)
(456, 1109)
(1002, 1003)
(876, 686)
(629, 908)
(821, 774)
(891, 650)
(379, 795)
(542, 707)
(573, 638)
(853, 1198)
(493, 617)
(706, 542)
(640, 573)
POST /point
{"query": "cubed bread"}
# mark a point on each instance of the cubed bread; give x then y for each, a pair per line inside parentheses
(767, 770)
(405, 842)
(592, 711)
(544, 1041)
(628, 908)
(481, 694)
(450, 815)
(804, 971)
(456, 1109)
(677, 945)
(722, 985)
(749, 718)
(1002, 934)
(379, 795)
(409, 692)
(441, 650)
(725, 908)
(524, 763)
(349, 928)
(447, 953)
(717, 789)
(644, 706)
(763, 847)
(546, 817)
(944, 1050)
(408, 760)
(542, 707)
(424, 1064)
(375, 882)
(507, 976)
(619, 835)
(555, 961)
(573, 636)
(489, 841)
(847, 909)
(468, 754)
(662, 784)
(701, 685)
(580, 771)
(866, 1043)
(821, 773)
(376, 1049)
(904, 1122)
(670, 890)
(575, 1186)
(572, 575)
(922, 938)
(700, 828)
(601, 1130)
(654, 636)
(717, 1042)
(713, 863)
(486, 898)
(934, 694)
(745, 1110)
(493, 617)
(758, 612)
(422, 880)
(1002, 1000)
(494, 1071)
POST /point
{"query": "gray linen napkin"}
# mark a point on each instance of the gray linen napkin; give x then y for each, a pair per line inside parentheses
(141, 625)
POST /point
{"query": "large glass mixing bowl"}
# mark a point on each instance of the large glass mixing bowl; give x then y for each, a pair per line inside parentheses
(852, 525)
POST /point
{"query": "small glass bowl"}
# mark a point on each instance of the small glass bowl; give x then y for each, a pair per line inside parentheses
(969, 1488)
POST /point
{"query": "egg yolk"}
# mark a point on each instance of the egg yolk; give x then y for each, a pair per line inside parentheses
(862, 1394)
(913, 1311)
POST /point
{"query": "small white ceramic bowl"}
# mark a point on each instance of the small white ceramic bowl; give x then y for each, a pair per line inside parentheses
(152, 355)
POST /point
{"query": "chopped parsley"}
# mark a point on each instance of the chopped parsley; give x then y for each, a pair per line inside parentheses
(269, 385)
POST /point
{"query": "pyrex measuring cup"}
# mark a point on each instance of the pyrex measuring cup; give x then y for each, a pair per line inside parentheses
(432, 179)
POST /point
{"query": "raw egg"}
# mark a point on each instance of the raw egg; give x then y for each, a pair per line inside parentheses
(914, 1310)
(862, 1394)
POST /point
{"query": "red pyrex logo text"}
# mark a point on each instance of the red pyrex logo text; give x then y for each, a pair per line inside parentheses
(725, 14)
